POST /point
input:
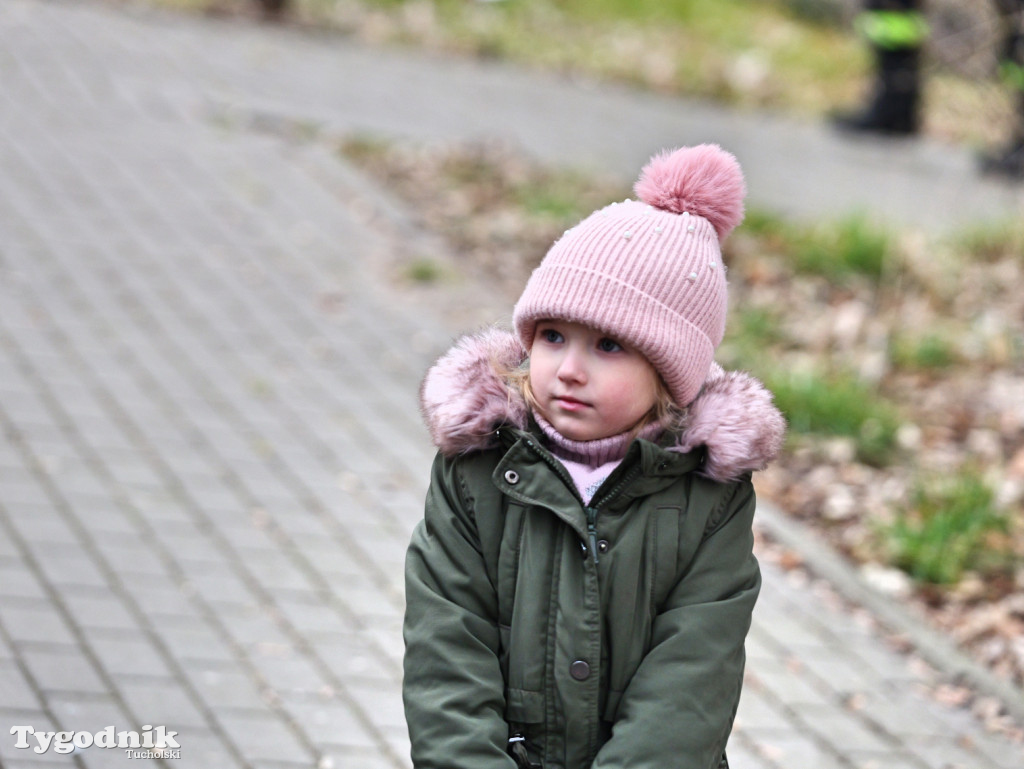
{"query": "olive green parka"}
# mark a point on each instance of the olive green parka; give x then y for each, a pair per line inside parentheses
(607, 635)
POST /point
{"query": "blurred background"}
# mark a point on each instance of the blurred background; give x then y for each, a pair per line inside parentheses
(233, 233)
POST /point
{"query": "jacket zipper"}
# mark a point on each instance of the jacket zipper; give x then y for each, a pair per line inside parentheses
(590, 510)
(594, 509)
(592, 530)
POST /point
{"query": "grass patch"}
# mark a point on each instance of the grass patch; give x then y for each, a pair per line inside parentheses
(931, 352)
(838, 405)
(424, 270)
(851, 246)
(835, 250)
(751, 334)
(951, 527)
(557, 196)
(992, 241)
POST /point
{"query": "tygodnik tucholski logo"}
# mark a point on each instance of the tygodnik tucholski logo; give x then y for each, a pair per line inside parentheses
(151, 742)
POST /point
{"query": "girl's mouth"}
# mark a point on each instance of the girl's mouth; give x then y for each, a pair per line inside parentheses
(569, 403)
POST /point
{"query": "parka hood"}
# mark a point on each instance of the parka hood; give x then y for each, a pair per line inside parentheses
(465, 397)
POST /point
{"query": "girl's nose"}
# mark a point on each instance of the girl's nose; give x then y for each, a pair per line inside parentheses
(572, 368)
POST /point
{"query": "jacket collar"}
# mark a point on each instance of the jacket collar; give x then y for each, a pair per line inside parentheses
(465, 398)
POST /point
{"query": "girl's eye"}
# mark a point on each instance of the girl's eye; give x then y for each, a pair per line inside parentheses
(608, 345)
(551, 336)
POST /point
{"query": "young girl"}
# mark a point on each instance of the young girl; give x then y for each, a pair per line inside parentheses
(580, 588)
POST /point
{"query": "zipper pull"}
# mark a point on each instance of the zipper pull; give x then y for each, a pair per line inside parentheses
(517, 749)
(592, 530)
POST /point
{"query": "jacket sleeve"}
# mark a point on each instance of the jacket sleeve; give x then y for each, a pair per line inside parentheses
(453, 687)
(678, 709)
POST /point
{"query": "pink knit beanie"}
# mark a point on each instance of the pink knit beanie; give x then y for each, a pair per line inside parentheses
(649, 273)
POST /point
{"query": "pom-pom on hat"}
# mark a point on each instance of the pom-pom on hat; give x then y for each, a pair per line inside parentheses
(649, 273)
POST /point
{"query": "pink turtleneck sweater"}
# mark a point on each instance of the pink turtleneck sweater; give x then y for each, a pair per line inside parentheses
(591, 462)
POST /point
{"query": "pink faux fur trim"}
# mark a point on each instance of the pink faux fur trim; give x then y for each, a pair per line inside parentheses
(465, 397)
(735, 419)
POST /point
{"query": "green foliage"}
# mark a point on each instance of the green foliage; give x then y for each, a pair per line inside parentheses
(562, 195)
(851, 246)
(951, 527)
(838, 405)
(992, 241)
(817, 11)
(765, 225)
(750, 335)
(424, 270)
(363, 147)
(931, 352)
(835, 250)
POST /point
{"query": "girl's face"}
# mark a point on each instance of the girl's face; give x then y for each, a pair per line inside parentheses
(586, 384)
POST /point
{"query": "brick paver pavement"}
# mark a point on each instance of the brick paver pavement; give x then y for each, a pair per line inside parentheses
(211, 455)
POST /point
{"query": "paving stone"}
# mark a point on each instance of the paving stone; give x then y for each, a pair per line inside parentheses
(6, 652)
(947, 753)
(103, 612)
(786, 684)
(330, 723)
(844, 731)
(23, 495)
(39, 623)
(224, 686)
(741, 756)
(284, 670)
(132, 556)
(278, 572)
(263, 738)
(845, 675)
(64, 669)
(65, 565)
(195, 643)
(16, 692)
(168, 704)
(18, 581)
(884, 760)
(89, 713)
(105, 516)
(250, 626)
(380, 700)
(208, 748)
(348, 656)
(316, 617)
(337, 757)
(129, 655)
(53, 530)
(758, 712)
(11, 756)
(786, 748)
(221, 583)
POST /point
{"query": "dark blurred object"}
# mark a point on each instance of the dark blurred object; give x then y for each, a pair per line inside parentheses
(272, 9)
(896, 30)
(1009, 160)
